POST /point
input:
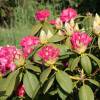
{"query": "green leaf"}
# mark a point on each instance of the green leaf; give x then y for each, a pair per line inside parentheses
(2, 90)
(87, 24)
(53, 92)
(64, 56)
(44, 75)
(31, 84)
(99, 42)
(34, 68)
(64, 81)
(74, 3)
(10, 82)
(85, 93)
(48, 84)
(70, 62)
(34, 51)
(56, 38)
(3, 98)
(86, 64)
(37, 58)
(63, 49)
(2, 84)
(68, 43)
(94, 82)
(74, 63)
(47, 27)
(95, 59)
(36, 28)
(62, 94)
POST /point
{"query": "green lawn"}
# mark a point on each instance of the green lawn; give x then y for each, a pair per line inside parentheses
(14, 35)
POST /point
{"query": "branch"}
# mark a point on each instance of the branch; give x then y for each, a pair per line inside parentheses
(96, 71)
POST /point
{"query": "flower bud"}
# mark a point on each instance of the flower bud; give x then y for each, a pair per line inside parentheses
(20, 90)
(96, 25)
(20, 62)
(58, 24)
(44, 37)
(71, 27)
(52, 22)
(61, 32)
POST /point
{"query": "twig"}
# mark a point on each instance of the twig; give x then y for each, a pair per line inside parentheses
(75, 78)
(96, 71)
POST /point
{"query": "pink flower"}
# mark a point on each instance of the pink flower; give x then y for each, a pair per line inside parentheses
(28, 43)
(20, 90)
(49, 54)
(68, 14)
(7, 56)
(80, 41)
(42, 15)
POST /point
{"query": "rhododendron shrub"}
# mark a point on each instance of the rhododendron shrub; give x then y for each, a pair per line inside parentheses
(60, 59)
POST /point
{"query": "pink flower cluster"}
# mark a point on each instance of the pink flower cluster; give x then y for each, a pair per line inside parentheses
(80, 41)
(49, 52)
(68, 14)
(42, 15)
(20, 90)
(28, 43)
(8, 55)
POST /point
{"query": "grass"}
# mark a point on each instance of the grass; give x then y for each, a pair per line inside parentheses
(20, 26)
(21, 23)
(14, 35)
